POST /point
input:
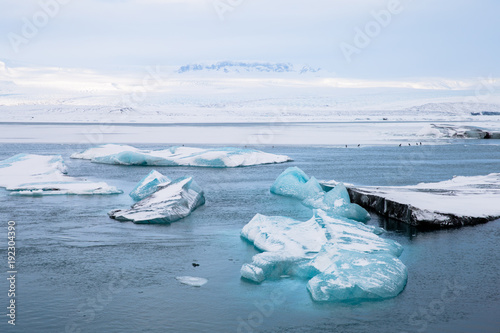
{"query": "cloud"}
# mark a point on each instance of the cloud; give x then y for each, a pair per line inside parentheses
(428, 38)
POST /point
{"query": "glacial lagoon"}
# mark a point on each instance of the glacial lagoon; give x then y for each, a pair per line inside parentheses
(80, 270)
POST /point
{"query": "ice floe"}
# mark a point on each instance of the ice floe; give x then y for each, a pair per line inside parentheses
(342, 259)
(180, 156)
(451, 203)
(35, 175)
(293, 182)
(169, 203)
(192, 280)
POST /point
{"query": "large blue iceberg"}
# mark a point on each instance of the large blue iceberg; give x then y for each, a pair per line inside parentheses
(179, 156)
(148, 185)
(293, 182)
(37, 175)
(342, 259)
(169, 203)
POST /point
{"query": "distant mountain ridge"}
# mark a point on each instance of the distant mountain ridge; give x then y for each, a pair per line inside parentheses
(243, 67)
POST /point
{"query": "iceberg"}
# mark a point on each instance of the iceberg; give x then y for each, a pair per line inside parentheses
(293, 182)
(37, 175)
(451, 203)
(342, 259)
(148, 185)
(227, 157)
(170, 202)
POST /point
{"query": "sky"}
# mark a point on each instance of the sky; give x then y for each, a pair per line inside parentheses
(364, 39)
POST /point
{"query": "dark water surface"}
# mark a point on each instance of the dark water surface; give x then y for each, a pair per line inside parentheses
(79, 271)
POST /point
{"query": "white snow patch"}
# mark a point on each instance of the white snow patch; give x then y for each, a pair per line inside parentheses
(475, 196)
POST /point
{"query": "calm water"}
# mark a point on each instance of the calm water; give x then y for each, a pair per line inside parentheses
(79, 271)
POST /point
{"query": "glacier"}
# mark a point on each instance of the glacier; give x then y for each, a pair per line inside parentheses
(170, 202)
(226, 157)
(342, 259)
(294, 182)
(148, 185)
(37, 175)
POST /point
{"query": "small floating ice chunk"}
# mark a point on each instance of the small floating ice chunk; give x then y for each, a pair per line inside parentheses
(192, 280)
(37, 175)
(186, 156)
(148, 185)
(293, 182)
(169, 203)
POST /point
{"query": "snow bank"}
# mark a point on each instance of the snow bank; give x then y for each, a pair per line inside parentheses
(451, 203)
(456, 131)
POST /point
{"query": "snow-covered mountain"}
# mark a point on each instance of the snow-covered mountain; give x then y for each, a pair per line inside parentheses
(234, 91)
(246, 67)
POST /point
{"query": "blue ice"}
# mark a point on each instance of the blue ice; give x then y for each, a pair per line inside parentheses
(293, 182)
(148, 185)
(342, 259)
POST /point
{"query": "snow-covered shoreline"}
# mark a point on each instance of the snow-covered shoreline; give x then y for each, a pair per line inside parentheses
(451, 203)
(270, 133)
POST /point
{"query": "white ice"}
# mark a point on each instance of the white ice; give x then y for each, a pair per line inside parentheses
(175, 156)
(169, 203)
(34, 175)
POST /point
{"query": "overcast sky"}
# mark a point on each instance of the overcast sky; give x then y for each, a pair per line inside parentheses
(421, 38)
